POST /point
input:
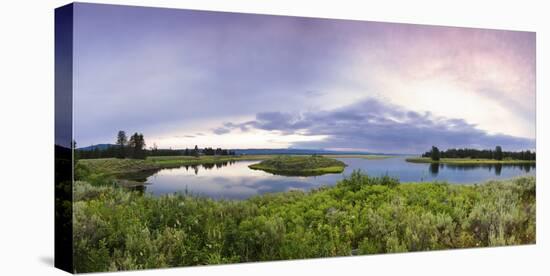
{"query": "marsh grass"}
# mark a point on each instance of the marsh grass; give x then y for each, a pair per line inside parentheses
(116, 229)
(300, 165)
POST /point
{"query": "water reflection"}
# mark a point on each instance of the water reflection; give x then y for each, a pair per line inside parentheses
(196, 168)
(497, 168)
(434, 169)
(234, 180)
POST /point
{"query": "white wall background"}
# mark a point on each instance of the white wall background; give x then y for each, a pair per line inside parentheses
(26, 135)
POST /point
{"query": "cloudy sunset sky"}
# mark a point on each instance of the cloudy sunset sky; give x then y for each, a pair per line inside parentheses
(186, 78)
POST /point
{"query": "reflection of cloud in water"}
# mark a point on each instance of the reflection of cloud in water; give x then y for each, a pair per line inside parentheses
(276, 185)
(237, 181)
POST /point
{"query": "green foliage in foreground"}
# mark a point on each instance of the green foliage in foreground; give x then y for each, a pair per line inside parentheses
(115, 229)
(300, 165)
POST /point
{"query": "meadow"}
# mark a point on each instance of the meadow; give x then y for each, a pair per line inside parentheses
(118, 229)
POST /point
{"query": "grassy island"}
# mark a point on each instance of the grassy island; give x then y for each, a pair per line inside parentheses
(469, 161)
(300, 165)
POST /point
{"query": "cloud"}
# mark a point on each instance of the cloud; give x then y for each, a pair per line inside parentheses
(221, 130)
(148, 76)
(381, 127)
(443, 69)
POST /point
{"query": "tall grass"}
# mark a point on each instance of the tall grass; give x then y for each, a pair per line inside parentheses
(116, 229)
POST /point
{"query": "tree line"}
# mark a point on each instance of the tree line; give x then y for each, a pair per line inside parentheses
(135, 147)
(496, 154)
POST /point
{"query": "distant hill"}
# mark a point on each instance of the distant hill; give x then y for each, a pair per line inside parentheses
(98, 146)
(262, 151)
(297, 151)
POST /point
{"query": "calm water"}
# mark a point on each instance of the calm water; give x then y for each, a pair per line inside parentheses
(234, 180)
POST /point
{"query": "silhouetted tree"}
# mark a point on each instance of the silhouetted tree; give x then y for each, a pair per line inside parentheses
(121, 141)
(137, 145)
(498, 153)
(435, 153)
(154, 149)
(208, 151)
(76, 153)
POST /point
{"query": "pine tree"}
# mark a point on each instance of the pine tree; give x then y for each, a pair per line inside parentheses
(121, 141)
(196, 151)
(498, 153)
(435, 154)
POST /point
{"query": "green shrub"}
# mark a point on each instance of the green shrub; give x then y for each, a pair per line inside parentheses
(117, 229)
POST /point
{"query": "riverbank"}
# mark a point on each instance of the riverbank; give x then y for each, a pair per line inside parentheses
(117, 229)
(115, 166)
(468, 161)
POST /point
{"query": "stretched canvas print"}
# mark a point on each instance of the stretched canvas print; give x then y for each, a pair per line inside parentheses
(188, 138)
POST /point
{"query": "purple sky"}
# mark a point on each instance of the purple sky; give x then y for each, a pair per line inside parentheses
(255, 81)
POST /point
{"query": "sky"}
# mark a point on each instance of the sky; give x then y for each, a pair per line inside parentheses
(213, 79)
